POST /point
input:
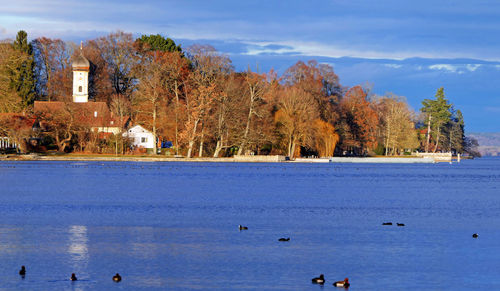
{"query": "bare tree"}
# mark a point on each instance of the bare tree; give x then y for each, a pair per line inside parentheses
(256, 87)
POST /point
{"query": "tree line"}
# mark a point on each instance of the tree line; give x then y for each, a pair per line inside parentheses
(195, 98)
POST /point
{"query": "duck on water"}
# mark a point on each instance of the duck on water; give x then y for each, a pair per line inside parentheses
(319, 280)
(22, 272)
(344, 283)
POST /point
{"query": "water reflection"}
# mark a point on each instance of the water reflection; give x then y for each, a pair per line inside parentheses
(78, 249)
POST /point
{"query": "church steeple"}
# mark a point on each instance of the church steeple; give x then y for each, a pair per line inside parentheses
(80, 77)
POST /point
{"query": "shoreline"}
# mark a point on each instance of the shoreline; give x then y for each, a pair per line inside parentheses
(238, 159)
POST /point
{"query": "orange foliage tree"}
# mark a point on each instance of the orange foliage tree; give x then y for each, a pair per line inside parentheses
(358, 123)
(325, 138)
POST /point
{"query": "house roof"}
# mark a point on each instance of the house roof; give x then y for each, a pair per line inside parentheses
(16, 121)
(138, 128)
(94, 114)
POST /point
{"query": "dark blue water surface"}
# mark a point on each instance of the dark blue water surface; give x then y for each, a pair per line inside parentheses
(174, 226)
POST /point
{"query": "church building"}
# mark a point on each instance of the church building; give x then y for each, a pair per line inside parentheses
(95, 115)
(81, 68)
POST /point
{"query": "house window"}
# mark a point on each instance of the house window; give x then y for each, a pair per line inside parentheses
(95, 113)
(80, 89)
(144, 139)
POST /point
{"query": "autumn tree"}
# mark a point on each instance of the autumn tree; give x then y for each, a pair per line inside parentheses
(294, 119)
(120, 107)
(18, 128)
(176, 74)
(117, 50)
(100, 87)
(152, 90)
(255, 89)
(209, 70)
(396, 123)
(53, 68)
(358, 121)
(325, 138)
(320, 81)
(61, 123)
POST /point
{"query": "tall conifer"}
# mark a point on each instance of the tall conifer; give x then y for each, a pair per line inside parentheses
(22, 78)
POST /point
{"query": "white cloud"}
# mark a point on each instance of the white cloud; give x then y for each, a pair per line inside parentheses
(444, 67)
(394, 66)
(317, 49)
(457, 68)
(472, 67)
(257, 50)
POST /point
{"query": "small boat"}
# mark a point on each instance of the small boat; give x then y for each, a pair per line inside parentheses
(284, 239)
(400, 224)
(319, 280)
(387, 223)
(241, 227)
(344, 283)
(475, 235)
(22, 272)
(117, 277)
(73, 277)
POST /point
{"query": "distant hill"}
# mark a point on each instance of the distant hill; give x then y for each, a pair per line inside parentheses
(489, 142)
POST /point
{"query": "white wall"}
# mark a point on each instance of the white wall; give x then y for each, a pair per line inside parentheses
(80, 78)
(140, 137)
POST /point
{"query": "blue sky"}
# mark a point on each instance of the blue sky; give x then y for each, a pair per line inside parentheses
(410, 48)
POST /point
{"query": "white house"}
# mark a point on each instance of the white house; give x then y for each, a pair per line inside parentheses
(140, 137)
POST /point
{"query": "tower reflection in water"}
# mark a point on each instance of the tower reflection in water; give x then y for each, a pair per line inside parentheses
(78, 250)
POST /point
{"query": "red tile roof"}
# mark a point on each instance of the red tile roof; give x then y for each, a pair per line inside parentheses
(94, 114)
(17, 120)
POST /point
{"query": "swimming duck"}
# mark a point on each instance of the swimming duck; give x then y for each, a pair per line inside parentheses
(387, 223)
(475, 235)
(284, 239)
(22, 272)
(242, 227)
(344, 283)
(117, 277)
(319, 280)
(400, 224)
(73, 277)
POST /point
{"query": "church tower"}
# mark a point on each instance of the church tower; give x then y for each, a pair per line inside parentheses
(81, 78)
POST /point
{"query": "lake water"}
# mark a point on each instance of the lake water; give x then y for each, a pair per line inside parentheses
(174, 226)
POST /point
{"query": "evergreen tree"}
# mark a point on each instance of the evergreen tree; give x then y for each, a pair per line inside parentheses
(438, 114)
(457, 133)
(157, 43)
(22, 77)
